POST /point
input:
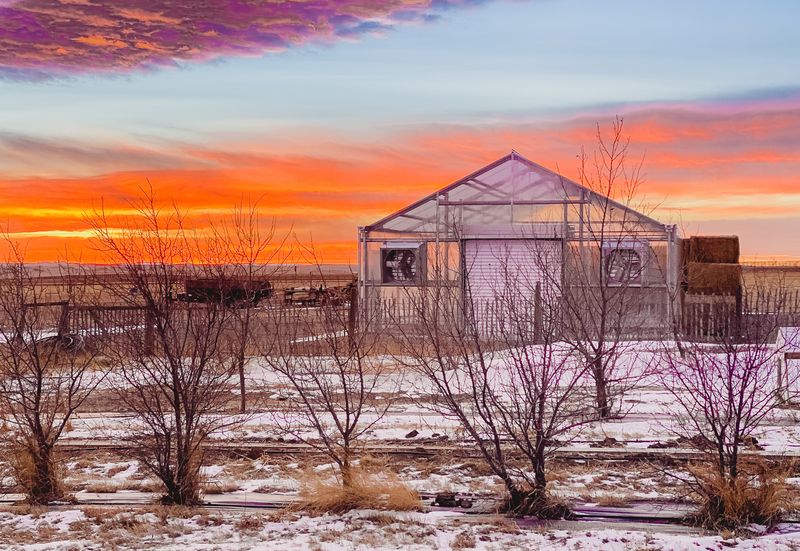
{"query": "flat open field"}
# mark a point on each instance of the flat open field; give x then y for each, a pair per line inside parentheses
(609, 471)
(92, 283)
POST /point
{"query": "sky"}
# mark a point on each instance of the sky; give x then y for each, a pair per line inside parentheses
(332, 114)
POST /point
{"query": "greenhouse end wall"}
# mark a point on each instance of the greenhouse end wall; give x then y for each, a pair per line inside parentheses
(441, 242)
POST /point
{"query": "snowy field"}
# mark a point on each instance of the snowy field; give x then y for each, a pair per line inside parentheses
(650, 421)
(650, 416)
(156, 528)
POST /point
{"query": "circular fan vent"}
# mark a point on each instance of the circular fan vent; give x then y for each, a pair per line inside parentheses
(400, 266)
(623, 267)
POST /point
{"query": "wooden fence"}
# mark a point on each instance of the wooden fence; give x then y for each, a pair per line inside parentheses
(712, 317)
(646, 317)
(704, 318)
(104, 320)
(116, 325)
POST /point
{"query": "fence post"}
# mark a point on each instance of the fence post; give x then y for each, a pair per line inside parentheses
(537, 314)
(149, 332)
(739, 315)
(63, 321)
(781, 394)
(352, 317)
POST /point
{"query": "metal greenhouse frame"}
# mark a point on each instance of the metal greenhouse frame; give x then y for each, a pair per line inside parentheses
(509, 200)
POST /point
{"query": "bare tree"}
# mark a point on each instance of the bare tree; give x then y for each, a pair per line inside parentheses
(722, 393)
(46, 374)
(174, 367)
(503, 375)
(244, 245)
(340, 387)
(607, 270)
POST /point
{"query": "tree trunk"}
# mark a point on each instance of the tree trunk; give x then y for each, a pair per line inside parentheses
(183, 490)
(539, 474)
(43, 484)
(182, 481)
(347, 473)
(601, 388)
(242, 391)
(240, 360)
(535, 503)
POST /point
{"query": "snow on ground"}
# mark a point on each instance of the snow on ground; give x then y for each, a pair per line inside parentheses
(94, 528)
(651, 416)
(648, 421)
(283, 477)
(408, 421)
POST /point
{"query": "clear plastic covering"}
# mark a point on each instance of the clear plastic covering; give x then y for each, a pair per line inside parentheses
(512, 191)
(514, 198)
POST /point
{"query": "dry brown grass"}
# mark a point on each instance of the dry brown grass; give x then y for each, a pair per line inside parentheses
(759, 495)
(464, 540)
(369, 490)
(501, 525)
(116, 470)
(609, 500)
(124, 521)
(249, 523)
(87, 484)
(22, 465)
(220, 487)
(167, 512)
(373, 463)
(102, 487)
(120, 529)
(558, 471)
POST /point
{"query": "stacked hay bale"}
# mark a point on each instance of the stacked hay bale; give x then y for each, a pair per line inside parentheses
(712, 285)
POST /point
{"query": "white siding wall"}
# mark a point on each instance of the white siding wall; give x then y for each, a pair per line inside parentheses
(500, 268)
(491, 263)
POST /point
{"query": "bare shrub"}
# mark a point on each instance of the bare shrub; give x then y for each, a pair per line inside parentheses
(244, 244)
(339, 387)
(513, 386)
(174, 371)
(722, 393)
(609, 271)
(45, 374)
(758, 495)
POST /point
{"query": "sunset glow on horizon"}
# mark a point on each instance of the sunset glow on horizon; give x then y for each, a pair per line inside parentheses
(331, 115)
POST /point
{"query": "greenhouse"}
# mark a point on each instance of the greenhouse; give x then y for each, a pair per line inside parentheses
(515, 216)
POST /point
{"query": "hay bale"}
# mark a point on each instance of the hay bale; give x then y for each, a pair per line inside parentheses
(713, 249)
(714, 279)
(683, 273)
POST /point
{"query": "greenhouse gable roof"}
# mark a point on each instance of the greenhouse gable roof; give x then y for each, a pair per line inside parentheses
(485, 196)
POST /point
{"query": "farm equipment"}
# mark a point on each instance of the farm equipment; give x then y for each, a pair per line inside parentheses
(45, 323)
(229, 291)
(318, 296)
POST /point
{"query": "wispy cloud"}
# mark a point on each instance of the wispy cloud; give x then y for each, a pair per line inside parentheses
(41, 156)
(40, 38)
(702, 163)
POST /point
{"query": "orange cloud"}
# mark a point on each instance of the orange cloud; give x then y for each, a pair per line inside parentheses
(699, 165)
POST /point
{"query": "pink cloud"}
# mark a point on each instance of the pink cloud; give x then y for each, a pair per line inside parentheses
(45, 37)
